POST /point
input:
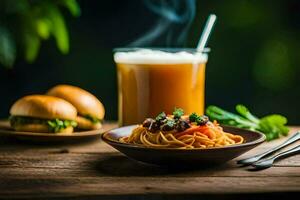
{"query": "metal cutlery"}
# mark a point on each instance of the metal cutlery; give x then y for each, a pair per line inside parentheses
(268, 162)
(253, 159)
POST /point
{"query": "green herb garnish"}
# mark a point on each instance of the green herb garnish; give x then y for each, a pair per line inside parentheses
(193, 117)
(171, 123)
(273, 126)
(178, 112)
(198, 119)
(161, 116)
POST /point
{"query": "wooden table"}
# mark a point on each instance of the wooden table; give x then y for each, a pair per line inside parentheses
(92, 169)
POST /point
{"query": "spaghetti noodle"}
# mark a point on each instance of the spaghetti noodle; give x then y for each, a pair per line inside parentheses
(207, 135)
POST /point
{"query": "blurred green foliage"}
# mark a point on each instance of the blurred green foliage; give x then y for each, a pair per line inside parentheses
(25, 23)
(254, 56)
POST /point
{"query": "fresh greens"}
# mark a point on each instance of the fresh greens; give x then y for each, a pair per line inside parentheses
(193, 117)
(273, 126)
(94, 120)
(161, 116)
(198, 119)
(170, 122)
(178, 112)
(54, 125)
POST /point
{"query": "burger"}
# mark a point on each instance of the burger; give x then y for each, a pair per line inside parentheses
(90, 109)
(41, 113)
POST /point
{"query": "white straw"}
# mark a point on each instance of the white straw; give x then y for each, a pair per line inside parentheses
(206, 32)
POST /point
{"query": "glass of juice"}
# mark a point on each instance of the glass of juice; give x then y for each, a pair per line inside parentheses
(154, 80)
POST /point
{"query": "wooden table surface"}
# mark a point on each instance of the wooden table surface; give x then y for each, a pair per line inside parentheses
(92, 169)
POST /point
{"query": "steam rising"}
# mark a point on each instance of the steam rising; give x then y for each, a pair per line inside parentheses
(175, 19)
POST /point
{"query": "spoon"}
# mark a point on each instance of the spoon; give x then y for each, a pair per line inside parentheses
(268, 162)
(250, 160)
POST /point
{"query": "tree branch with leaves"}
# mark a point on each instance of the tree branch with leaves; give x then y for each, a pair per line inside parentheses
(24, 24)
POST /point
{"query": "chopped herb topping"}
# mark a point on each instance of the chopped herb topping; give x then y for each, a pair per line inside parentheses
(200, 120)
(161, 116)
(178, 112)
(171, 123)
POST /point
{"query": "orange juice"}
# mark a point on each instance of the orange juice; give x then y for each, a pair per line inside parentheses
(159, 81)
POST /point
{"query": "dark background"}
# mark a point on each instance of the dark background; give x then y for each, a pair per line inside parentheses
(254, 59)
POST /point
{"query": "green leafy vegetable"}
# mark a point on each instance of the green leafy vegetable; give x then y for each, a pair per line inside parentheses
(56, 125)
(94, 120)
(178, 112)
(273, 126)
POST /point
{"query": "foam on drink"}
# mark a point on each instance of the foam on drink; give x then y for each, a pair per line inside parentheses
(148, 56)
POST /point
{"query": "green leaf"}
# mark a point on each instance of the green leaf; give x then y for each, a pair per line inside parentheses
(72, 6)
(32, 45)
(171, 123)
(274, 126)
(243, 110)
(193, 117)
(43, 27)
(58, 28)
(199, 119)
(225, 117)
(7, 48)
(51, 124)
(178, 112)
(56, 125)
(94, 120)
(161, 116)
(73, 123)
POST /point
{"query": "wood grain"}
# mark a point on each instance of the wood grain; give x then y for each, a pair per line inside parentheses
(94, 169)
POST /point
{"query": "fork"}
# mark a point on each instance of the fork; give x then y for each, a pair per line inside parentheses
(268, 162)
(253, 159)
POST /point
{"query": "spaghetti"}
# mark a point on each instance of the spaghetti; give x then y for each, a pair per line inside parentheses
(206, 135)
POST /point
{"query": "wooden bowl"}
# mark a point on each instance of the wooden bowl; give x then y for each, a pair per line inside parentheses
(183, 157)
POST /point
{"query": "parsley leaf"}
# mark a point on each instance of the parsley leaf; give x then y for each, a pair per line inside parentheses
(171, 123)
(200, 120)
(193, 117)
(161, 116)
(178, 112)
